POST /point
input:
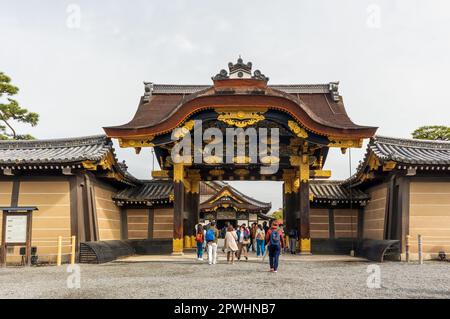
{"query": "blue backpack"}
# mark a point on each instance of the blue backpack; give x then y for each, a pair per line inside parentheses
(275, 238)
(210, 235)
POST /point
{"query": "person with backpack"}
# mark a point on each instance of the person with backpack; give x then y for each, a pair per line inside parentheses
(200, 238)
(275, 242)
(212, 238)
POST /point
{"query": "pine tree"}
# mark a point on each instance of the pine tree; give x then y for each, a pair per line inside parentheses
(11, 111)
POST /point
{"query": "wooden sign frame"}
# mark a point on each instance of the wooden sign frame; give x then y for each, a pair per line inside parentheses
(16, 211)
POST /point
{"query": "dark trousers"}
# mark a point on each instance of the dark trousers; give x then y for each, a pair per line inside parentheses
(274, 255)
(251, 245)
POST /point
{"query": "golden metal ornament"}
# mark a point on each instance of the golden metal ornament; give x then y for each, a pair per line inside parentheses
(213, 159)
(177, 245)
(160, 174)
(305, 245)
(242, 172)
(270, 159)
(178, 172)
(389, 166)
(185, 129)
(345, 143)
(136, 142)
(241, 118)
(216, 172)
(90, 165)
(299, 131)
(241, 159)
(320, 173)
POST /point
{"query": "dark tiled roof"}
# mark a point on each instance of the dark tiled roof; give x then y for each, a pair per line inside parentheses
(410, 151)
(66, 150)
(164, 106)
(334, 190)
(59, 153)
(153, 190)
(287, 88)
(148, 191)
(244, 201)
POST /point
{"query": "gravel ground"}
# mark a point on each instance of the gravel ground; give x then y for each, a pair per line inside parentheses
(191, 279)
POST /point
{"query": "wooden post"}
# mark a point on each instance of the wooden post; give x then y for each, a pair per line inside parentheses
(72, 254)
(419, 242)
(29, 233)
(3, 249)
(58, 256)
(407, 247)
(303, 202)
(289, 209)
(178, 208)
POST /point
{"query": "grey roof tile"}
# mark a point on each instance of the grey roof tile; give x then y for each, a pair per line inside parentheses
(335, 190)
(65, 150)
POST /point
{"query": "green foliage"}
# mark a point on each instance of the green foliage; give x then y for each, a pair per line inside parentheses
(432, 132)
(278, 214)
(10, 111)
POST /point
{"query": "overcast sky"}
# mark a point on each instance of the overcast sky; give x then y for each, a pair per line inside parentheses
(81, 64)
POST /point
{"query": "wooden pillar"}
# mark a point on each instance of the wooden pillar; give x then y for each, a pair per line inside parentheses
(289, 213)
(151, 223)
(301, 185)
(123, 223)
(360, 233)
(178, 208)
(331, 227)
(193, 203)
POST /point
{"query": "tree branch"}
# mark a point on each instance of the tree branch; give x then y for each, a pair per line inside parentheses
(10, 127)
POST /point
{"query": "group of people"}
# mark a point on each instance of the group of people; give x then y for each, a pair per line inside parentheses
(237, 242)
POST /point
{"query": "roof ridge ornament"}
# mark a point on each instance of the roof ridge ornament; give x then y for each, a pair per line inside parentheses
(148, 91)
(240, 70)
(334, 90)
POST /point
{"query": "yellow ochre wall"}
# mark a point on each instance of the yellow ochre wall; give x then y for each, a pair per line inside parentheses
(375, 212)
(5, 199)
(137, 220)
(429, 215)
(163, 223)
(53, 217)
(319, 223)
(108, 214)
(345, 223)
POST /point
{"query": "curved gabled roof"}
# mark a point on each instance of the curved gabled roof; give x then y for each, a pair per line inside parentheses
(318, 112)
(411, 152)
(239, 199)
(318, 107)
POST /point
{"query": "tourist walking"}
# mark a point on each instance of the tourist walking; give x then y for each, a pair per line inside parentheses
(200, 239)
(265, 227)
(230, 246)
(293, 238)
(212, 237)
(275, 242)
(260, 236)
(253, 237)
(243, 235)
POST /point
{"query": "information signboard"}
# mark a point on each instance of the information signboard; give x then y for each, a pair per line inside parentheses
(16, 229)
